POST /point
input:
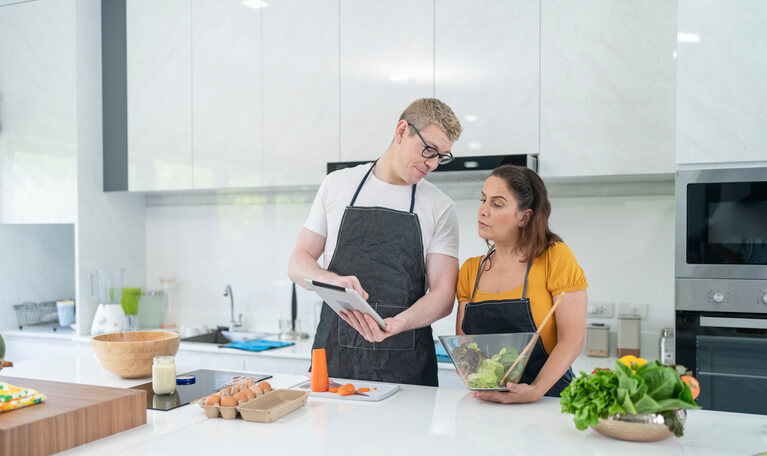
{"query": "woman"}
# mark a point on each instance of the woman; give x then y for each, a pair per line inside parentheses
(510, 289)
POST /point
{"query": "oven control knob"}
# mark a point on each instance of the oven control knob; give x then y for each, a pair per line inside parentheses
(718, 296)
(764, 298)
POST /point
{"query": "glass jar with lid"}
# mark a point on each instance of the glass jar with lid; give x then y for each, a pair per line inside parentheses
(164, 374)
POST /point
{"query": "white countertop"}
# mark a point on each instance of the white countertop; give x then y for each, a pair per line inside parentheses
(416, 420)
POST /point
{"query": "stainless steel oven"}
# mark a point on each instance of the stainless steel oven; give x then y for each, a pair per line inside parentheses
(721, 285)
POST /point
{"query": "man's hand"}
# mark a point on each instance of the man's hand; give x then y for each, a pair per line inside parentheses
(347, 282)
(519, 393)
(369, 329)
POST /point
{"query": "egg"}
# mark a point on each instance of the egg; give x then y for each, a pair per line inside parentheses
(248, 393)
(256, 390)
(228, 401)
(265, 386)
(240, 397)
(213, 399)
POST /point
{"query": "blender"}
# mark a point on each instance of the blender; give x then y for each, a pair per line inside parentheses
(110, 316)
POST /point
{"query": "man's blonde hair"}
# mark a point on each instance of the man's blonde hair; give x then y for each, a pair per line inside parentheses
(429, 111)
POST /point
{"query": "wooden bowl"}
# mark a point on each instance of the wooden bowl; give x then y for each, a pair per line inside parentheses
(637, 428)
(129, 354)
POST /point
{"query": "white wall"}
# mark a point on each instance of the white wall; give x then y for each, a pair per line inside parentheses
(625, 246)
(37, 263)
(110, 227)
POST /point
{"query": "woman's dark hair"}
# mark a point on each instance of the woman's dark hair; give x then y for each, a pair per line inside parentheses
(530, 192)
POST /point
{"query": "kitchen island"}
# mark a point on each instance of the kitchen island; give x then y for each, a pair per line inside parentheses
(416, 420)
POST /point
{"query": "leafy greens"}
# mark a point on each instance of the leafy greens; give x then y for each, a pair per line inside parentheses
(653, 388)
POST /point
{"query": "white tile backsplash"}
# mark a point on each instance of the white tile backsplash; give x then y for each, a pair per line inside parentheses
(625, 246)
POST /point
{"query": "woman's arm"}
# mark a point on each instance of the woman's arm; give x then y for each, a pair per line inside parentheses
(459, 317)
(571, 332)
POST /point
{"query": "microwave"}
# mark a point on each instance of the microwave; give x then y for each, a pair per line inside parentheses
(721, 224)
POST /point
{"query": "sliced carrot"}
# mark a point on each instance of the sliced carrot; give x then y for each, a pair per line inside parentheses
(374, 388)
(363, 390)
(333, 390)
(346, 390)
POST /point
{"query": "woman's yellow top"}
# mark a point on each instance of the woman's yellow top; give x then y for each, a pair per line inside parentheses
(553, 272)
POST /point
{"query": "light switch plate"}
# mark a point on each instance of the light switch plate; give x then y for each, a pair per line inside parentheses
(634, 308)
(600, 310)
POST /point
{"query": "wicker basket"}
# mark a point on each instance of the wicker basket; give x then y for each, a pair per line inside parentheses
(36, 313)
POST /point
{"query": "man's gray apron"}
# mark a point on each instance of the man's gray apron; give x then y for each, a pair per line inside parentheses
(383, 248)
(510, 316)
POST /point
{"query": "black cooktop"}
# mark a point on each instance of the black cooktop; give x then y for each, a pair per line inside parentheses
(206, 383)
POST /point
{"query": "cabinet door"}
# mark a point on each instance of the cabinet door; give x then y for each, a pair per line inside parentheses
(159, 83)
(226, 94)
(387, 61)
(721, 74)
(607, 87)
(486, 69)
(301, 93)
(38, 109)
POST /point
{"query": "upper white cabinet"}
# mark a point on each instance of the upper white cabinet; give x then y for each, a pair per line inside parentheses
(387, 61)
(226, 94)
(607, 87)
(38, 112)
(721, 74)
(159, 85)
(301, 93)
(486, 69)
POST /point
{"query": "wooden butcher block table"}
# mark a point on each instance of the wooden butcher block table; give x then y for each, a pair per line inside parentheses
(72, 415)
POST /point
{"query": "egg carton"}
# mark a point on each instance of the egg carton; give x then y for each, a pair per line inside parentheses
(262, 409)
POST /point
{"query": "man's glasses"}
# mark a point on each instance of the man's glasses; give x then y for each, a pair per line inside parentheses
(431, 152)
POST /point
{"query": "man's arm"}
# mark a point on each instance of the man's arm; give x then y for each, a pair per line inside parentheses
(303, 264)
(442, 273)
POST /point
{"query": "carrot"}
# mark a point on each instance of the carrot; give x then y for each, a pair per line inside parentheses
(333, 390)
(346, 390)
(374, 388)
(319, 382)
(364, 390)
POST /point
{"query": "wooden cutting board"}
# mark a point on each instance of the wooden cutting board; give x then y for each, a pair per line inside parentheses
(73, 414)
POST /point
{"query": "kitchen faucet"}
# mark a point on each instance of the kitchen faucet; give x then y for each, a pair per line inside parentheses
(234, 325)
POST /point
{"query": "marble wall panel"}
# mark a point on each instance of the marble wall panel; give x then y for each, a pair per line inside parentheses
(721, 74)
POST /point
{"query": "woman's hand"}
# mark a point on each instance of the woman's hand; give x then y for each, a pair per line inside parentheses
(519, 393)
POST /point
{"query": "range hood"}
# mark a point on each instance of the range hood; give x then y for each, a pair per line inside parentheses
(463, 166)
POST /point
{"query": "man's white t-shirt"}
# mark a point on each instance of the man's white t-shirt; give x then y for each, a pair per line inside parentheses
(436, 211)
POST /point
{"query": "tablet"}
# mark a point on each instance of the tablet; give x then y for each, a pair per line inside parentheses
(340, 299)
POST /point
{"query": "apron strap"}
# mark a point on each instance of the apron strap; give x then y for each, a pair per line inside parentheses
(527, 271)
(479, 273)
(359, 187)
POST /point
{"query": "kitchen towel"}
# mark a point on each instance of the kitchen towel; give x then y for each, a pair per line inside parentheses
(14, 397)
(442, 355)
(257, 345)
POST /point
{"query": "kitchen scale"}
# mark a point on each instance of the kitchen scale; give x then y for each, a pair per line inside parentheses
(206, 383)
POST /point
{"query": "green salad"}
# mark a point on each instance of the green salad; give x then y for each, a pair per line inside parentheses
(482, 371)
(649, 388)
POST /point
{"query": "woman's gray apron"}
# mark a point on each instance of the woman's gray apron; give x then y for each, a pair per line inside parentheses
(510, 316)
(383, 248)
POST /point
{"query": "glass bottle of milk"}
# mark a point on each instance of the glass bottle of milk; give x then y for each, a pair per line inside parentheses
(164, 374)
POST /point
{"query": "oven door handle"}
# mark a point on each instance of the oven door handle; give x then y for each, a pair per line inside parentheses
(724, 322)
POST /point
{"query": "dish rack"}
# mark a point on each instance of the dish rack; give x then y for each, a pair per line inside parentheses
(36, 313)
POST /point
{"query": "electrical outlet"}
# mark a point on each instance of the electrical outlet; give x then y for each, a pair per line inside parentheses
(600, 310)
(634, 308)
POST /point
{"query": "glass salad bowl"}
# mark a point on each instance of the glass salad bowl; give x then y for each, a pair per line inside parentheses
(482, 359)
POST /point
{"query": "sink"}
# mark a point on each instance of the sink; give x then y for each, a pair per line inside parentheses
(223, 337)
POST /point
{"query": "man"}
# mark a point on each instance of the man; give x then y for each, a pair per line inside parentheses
(385, 232)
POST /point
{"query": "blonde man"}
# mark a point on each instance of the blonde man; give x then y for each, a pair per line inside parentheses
(392, 236)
